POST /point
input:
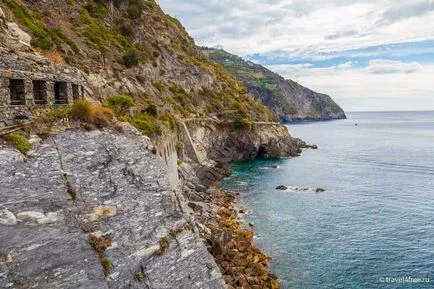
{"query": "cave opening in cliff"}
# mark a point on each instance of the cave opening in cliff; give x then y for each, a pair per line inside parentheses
(60, 92)
(40, 91)
(75, 91)
(262, 151)
(17, 91)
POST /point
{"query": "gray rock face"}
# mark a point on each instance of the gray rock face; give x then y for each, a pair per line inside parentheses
(224, 143)
(99, 182)
(22, 36)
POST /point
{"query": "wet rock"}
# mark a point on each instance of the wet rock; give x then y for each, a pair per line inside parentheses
(319, 190)
(314, 147)
(251, 224)
(243, 211)
(281, 188)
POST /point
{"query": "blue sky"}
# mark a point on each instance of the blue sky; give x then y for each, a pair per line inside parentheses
(366, 54)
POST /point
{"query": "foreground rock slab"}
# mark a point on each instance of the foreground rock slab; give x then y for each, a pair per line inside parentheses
(103, 183)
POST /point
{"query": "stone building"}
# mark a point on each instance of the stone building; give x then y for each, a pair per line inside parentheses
(29, 83)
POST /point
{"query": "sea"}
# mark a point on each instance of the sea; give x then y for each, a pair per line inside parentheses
(372, 227)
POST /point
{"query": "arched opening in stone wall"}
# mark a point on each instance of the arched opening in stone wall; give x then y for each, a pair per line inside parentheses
(60, 92)
(75, 91)
(17, 91)
(40, 91)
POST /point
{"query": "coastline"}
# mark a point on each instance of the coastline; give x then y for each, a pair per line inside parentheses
(241, 261)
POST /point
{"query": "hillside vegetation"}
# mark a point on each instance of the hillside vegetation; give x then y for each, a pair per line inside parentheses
(288, 99)
(132, 47)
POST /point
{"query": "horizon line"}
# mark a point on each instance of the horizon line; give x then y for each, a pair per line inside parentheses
(356, 111)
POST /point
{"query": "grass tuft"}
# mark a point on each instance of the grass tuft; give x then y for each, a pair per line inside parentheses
(164, 245)
(19, 142)
(100, 245)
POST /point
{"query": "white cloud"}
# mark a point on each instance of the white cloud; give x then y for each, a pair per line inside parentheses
(345, 65)
(312, 30)
(390, 82)
(381, 66)
(303, 27)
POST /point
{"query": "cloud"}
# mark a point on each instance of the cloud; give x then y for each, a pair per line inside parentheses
(346, 48)
(381, 66)
(302, 28)
(345, 65)
(342, 34)
(389, 82)
(408, 10)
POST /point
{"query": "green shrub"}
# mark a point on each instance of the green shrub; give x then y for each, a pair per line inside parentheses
(130, 59)
(169, 120)
(151, 110)
(42, 37)
(135, 9)
(126, 29)
(141, 79)
(145, 123)
(159, 86)
(53, 116)
(176, 89)
(120, 103)
(152, 125)
(96, 11)
(19, 141)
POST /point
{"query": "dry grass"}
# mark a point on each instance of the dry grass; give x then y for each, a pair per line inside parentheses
(100, 244)
(101, 116)
(164, 245)
(53, 56)
(91, 113)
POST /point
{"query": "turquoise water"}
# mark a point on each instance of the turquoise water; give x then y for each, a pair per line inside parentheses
(376, 218)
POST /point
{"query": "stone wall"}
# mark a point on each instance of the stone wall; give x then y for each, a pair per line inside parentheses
(28, 68)
(165, 147)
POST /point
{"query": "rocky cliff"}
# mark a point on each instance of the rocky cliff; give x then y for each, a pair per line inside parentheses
(92, 208)
(87, 188)
(288, 99)
(95, 209)
(132, 47)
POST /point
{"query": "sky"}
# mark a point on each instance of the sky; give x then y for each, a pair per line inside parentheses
(369, 55)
